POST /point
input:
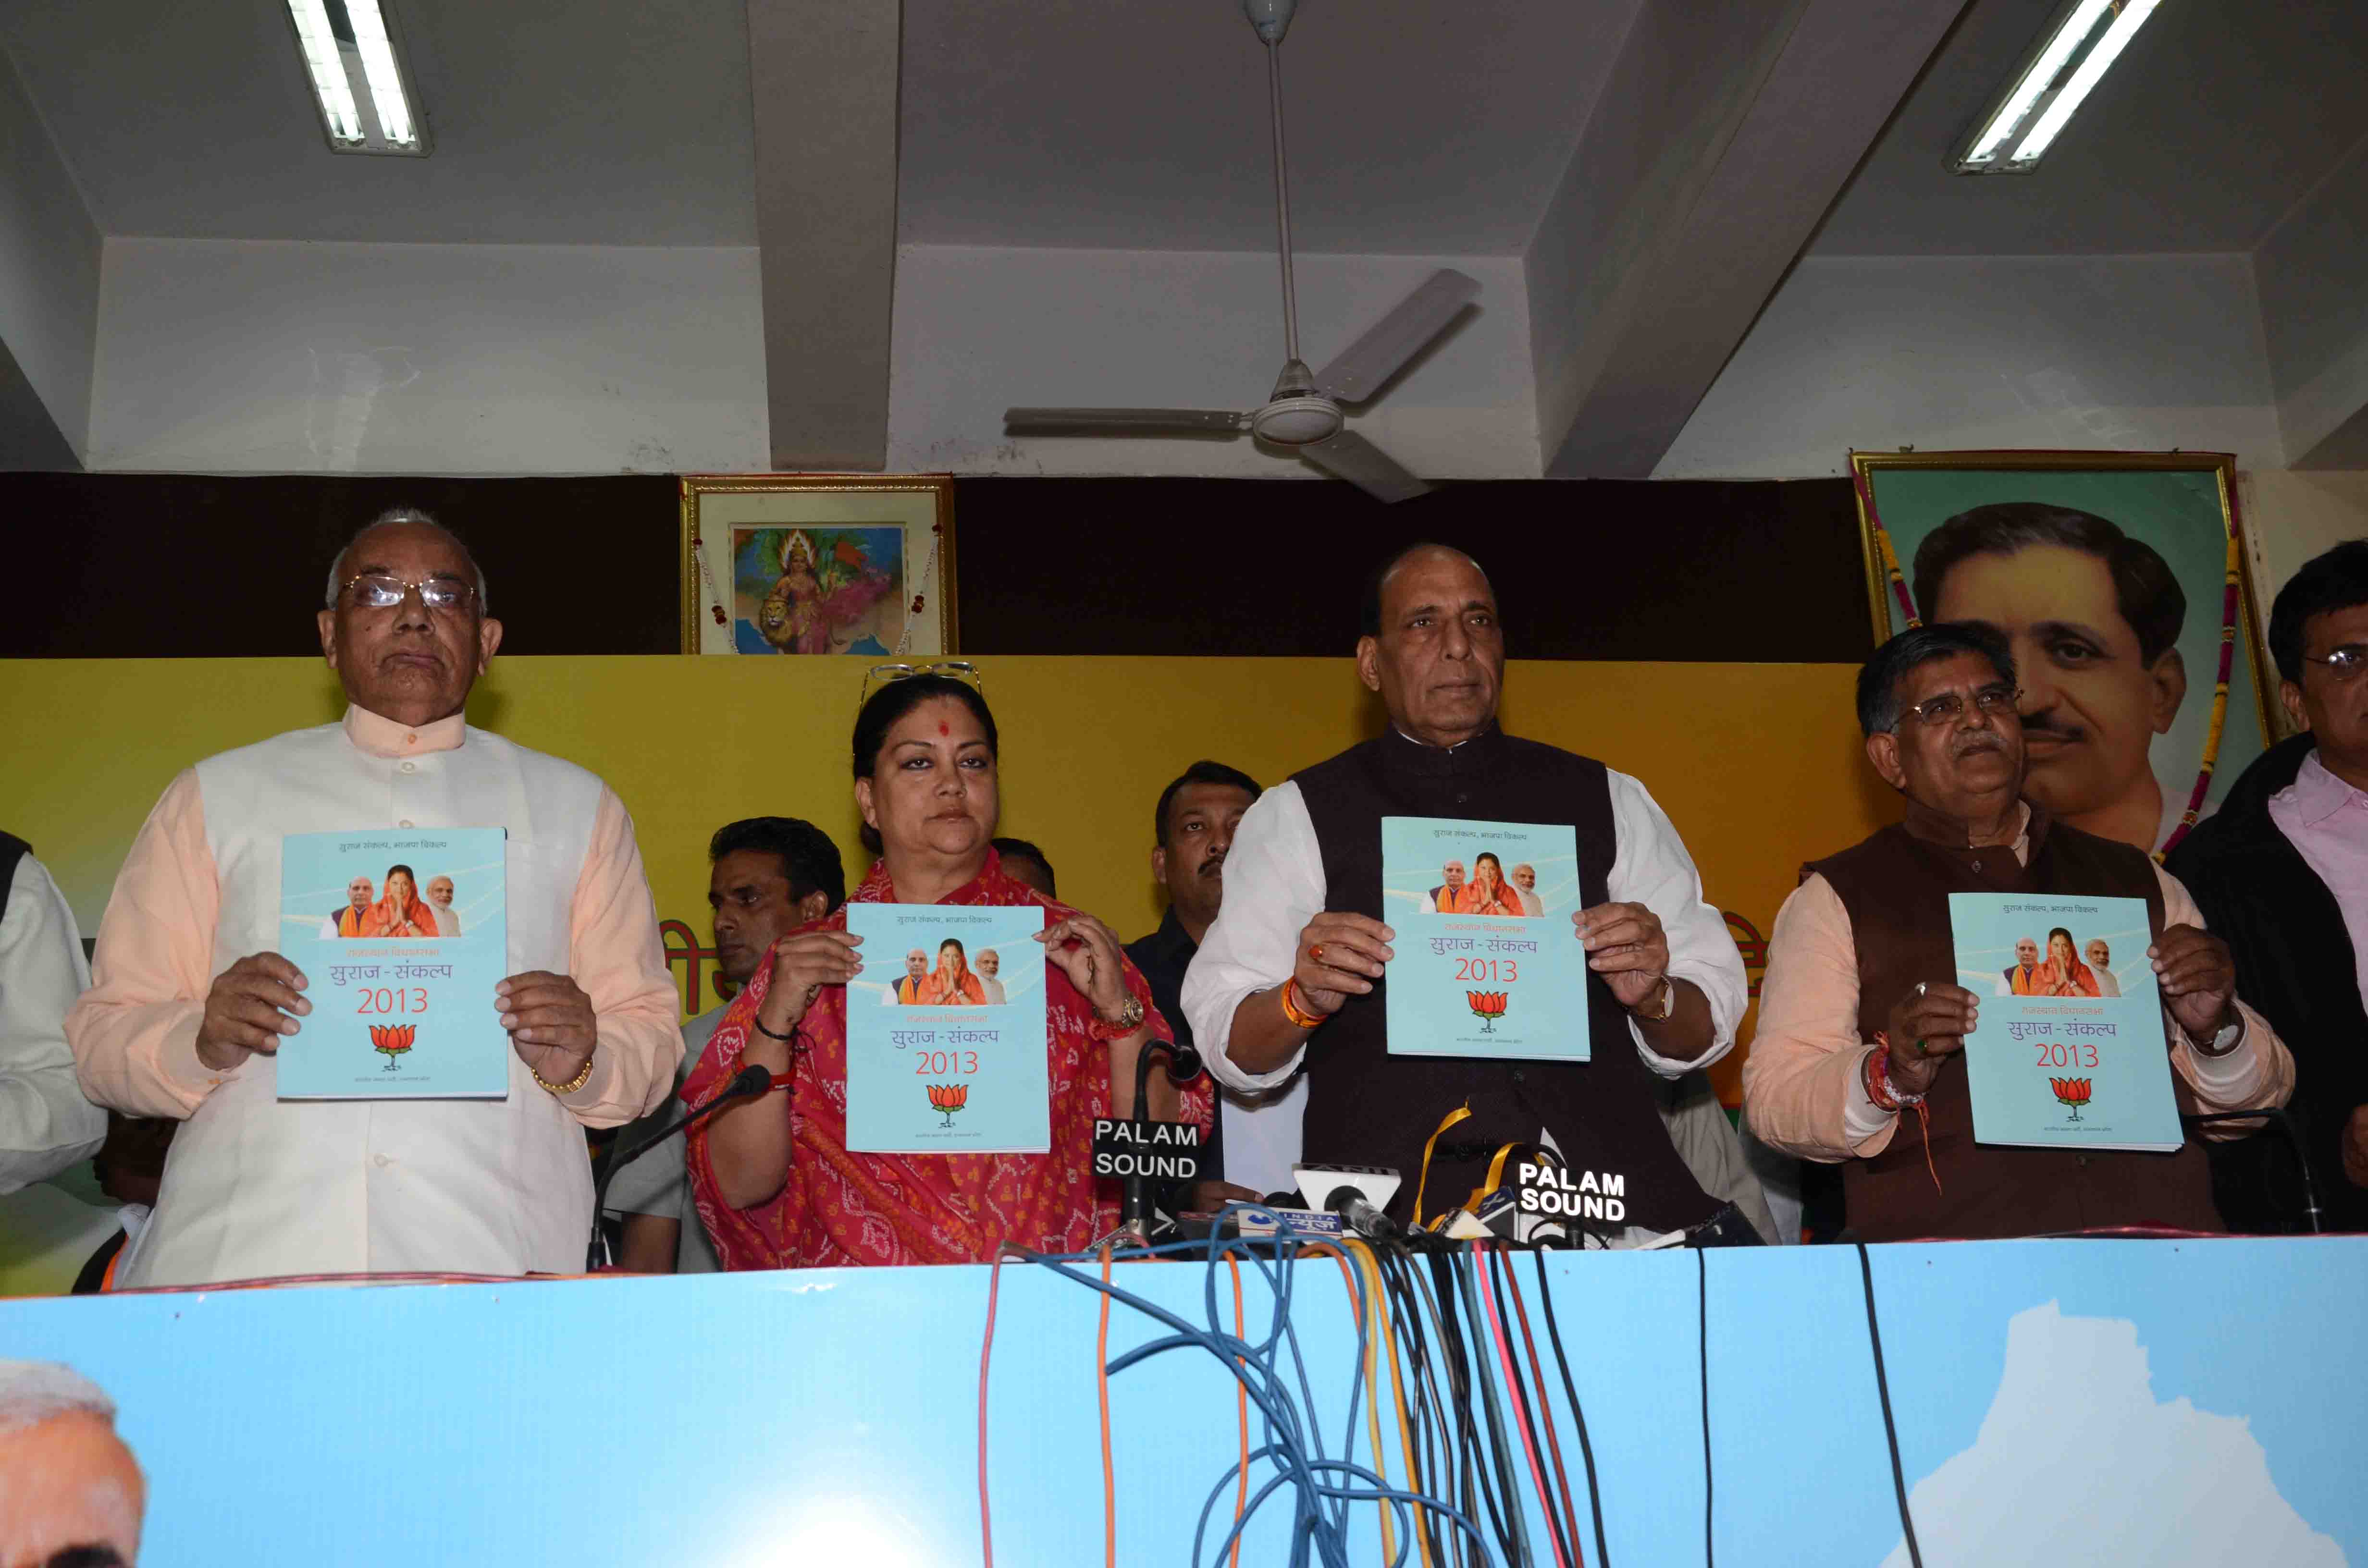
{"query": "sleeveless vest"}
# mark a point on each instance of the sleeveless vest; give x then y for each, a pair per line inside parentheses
(1366, 1107)
(1896, 887)
(255, 1186)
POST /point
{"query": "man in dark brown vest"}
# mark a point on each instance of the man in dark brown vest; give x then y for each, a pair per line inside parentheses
(1294, 966)
(1859, 1015)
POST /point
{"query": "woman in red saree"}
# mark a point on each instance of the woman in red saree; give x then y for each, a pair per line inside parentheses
(953, 985)
(773, 1180)
(401, 912)
(1486, 892)
(2066, 974)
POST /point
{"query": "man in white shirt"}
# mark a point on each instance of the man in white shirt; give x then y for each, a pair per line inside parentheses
(990, 970)
(2099, 954)
(192, 1005)
(46, 1125)
(439, 899)
(1294, 966)
(766, 876)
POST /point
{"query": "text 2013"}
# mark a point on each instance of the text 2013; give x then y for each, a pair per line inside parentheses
(2055, 1055)
(928, 1062)
(395, 1001)
(1495, 972)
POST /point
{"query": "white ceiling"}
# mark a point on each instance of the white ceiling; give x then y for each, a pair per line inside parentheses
(2219, 116)
(1414, 126)
(555, 122)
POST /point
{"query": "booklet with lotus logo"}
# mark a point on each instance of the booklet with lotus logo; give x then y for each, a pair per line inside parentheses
(2071, 1050)
(1488, 962)
(402, 937)
(946, 1045)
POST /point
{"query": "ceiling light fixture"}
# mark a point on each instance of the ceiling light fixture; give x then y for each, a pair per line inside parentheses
(358, 79)
(2066, 64)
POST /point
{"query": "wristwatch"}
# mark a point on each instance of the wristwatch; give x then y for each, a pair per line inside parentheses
(1666, 1005)
(1129, 1019)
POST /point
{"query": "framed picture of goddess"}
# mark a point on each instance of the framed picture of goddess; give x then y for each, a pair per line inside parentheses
(786, 564)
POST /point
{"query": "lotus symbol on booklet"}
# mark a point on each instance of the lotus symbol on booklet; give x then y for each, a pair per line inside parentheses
(948, 1098)
(391, 1040)
(1488, 1007)
(2073, 1092)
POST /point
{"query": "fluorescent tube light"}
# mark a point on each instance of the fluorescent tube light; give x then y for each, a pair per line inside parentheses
(358, 77)
(2060, 72)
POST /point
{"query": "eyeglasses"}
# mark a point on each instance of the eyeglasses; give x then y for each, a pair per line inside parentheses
(951, 669)
(2345, 662)
(374, 590)
(1950, 706)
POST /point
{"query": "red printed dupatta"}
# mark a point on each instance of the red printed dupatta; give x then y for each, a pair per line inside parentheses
(841, 1207)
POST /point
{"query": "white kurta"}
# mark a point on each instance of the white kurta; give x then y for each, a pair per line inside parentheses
(257, 1187)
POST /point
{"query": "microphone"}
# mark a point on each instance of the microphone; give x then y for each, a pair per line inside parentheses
(746, 1083)
(1356, 1193)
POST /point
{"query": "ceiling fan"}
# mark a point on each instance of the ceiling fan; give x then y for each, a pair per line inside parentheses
(1303, 414)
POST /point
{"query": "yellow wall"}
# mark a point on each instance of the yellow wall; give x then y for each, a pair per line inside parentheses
(1758, 765)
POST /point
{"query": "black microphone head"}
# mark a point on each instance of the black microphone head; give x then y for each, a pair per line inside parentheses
(1282, 1200)
(1183, 1063)
(750, 1080)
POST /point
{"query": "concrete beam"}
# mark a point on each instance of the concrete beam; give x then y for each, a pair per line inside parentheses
(49, 254)
(29, 439)
(2315, 315)
(1727, 131)
(824, 77)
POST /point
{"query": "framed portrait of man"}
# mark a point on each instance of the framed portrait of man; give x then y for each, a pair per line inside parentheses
(794, 563)
(2118, 580)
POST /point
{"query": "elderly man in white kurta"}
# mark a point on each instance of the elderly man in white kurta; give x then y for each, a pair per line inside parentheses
(190, 1008)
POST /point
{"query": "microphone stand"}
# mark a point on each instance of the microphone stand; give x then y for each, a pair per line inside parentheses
(1134, 1209)
(2284, 1119)
(747, 1084)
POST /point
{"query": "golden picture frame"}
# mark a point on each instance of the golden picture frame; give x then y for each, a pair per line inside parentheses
(818, 563)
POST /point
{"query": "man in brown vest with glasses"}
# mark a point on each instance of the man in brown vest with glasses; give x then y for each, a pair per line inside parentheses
(1861, 956)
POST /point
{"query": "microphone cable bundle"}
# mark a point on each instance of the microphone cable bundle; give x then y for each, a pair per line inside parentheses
(1446, 1343)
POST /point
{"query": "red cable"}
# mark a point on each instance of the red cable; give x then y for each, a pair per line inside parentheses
(1513, 1382)
(1242, 1406)
(986, 1350)
(1545, 1408)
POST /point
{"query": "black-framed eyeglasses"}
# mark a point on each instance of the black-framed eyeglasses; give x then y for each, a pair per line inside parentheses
(377, 590)
(2345, 662)
(952, 669)
(1950, 706)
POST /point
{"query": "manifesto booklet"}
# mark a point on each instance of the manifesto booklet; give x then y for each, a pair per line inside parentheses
(1488, 962)
(2071, 1050)
(403, 937)
(945, 1031)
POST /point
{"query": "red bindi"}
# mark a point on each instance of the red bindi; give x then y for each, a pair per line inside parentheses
(945, 728)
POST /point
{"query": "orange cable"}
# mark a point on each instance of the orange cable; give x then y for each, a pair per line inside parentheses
(986, 1351)
(1109, 1469)
(1242, 1405)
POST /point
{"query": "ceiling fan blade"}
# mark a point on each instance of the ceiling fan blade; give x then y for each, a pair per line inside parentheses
(1351, 457)
(1366, 365)
(1123, 422)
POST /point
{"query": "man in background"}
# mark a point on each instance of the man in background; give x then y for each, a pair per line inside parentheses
(347, 920)
(2092, 618)
(69, 1489)
(46, 1125)
(766, 876)
(1256, 1141)
(439, 901)
(2282, 869)
(1023, 862)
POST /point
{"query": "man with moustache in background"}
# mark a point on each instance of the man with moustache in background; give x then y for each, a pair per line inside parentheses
(2091, 618)
(768, 875)
(1255, 1140)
